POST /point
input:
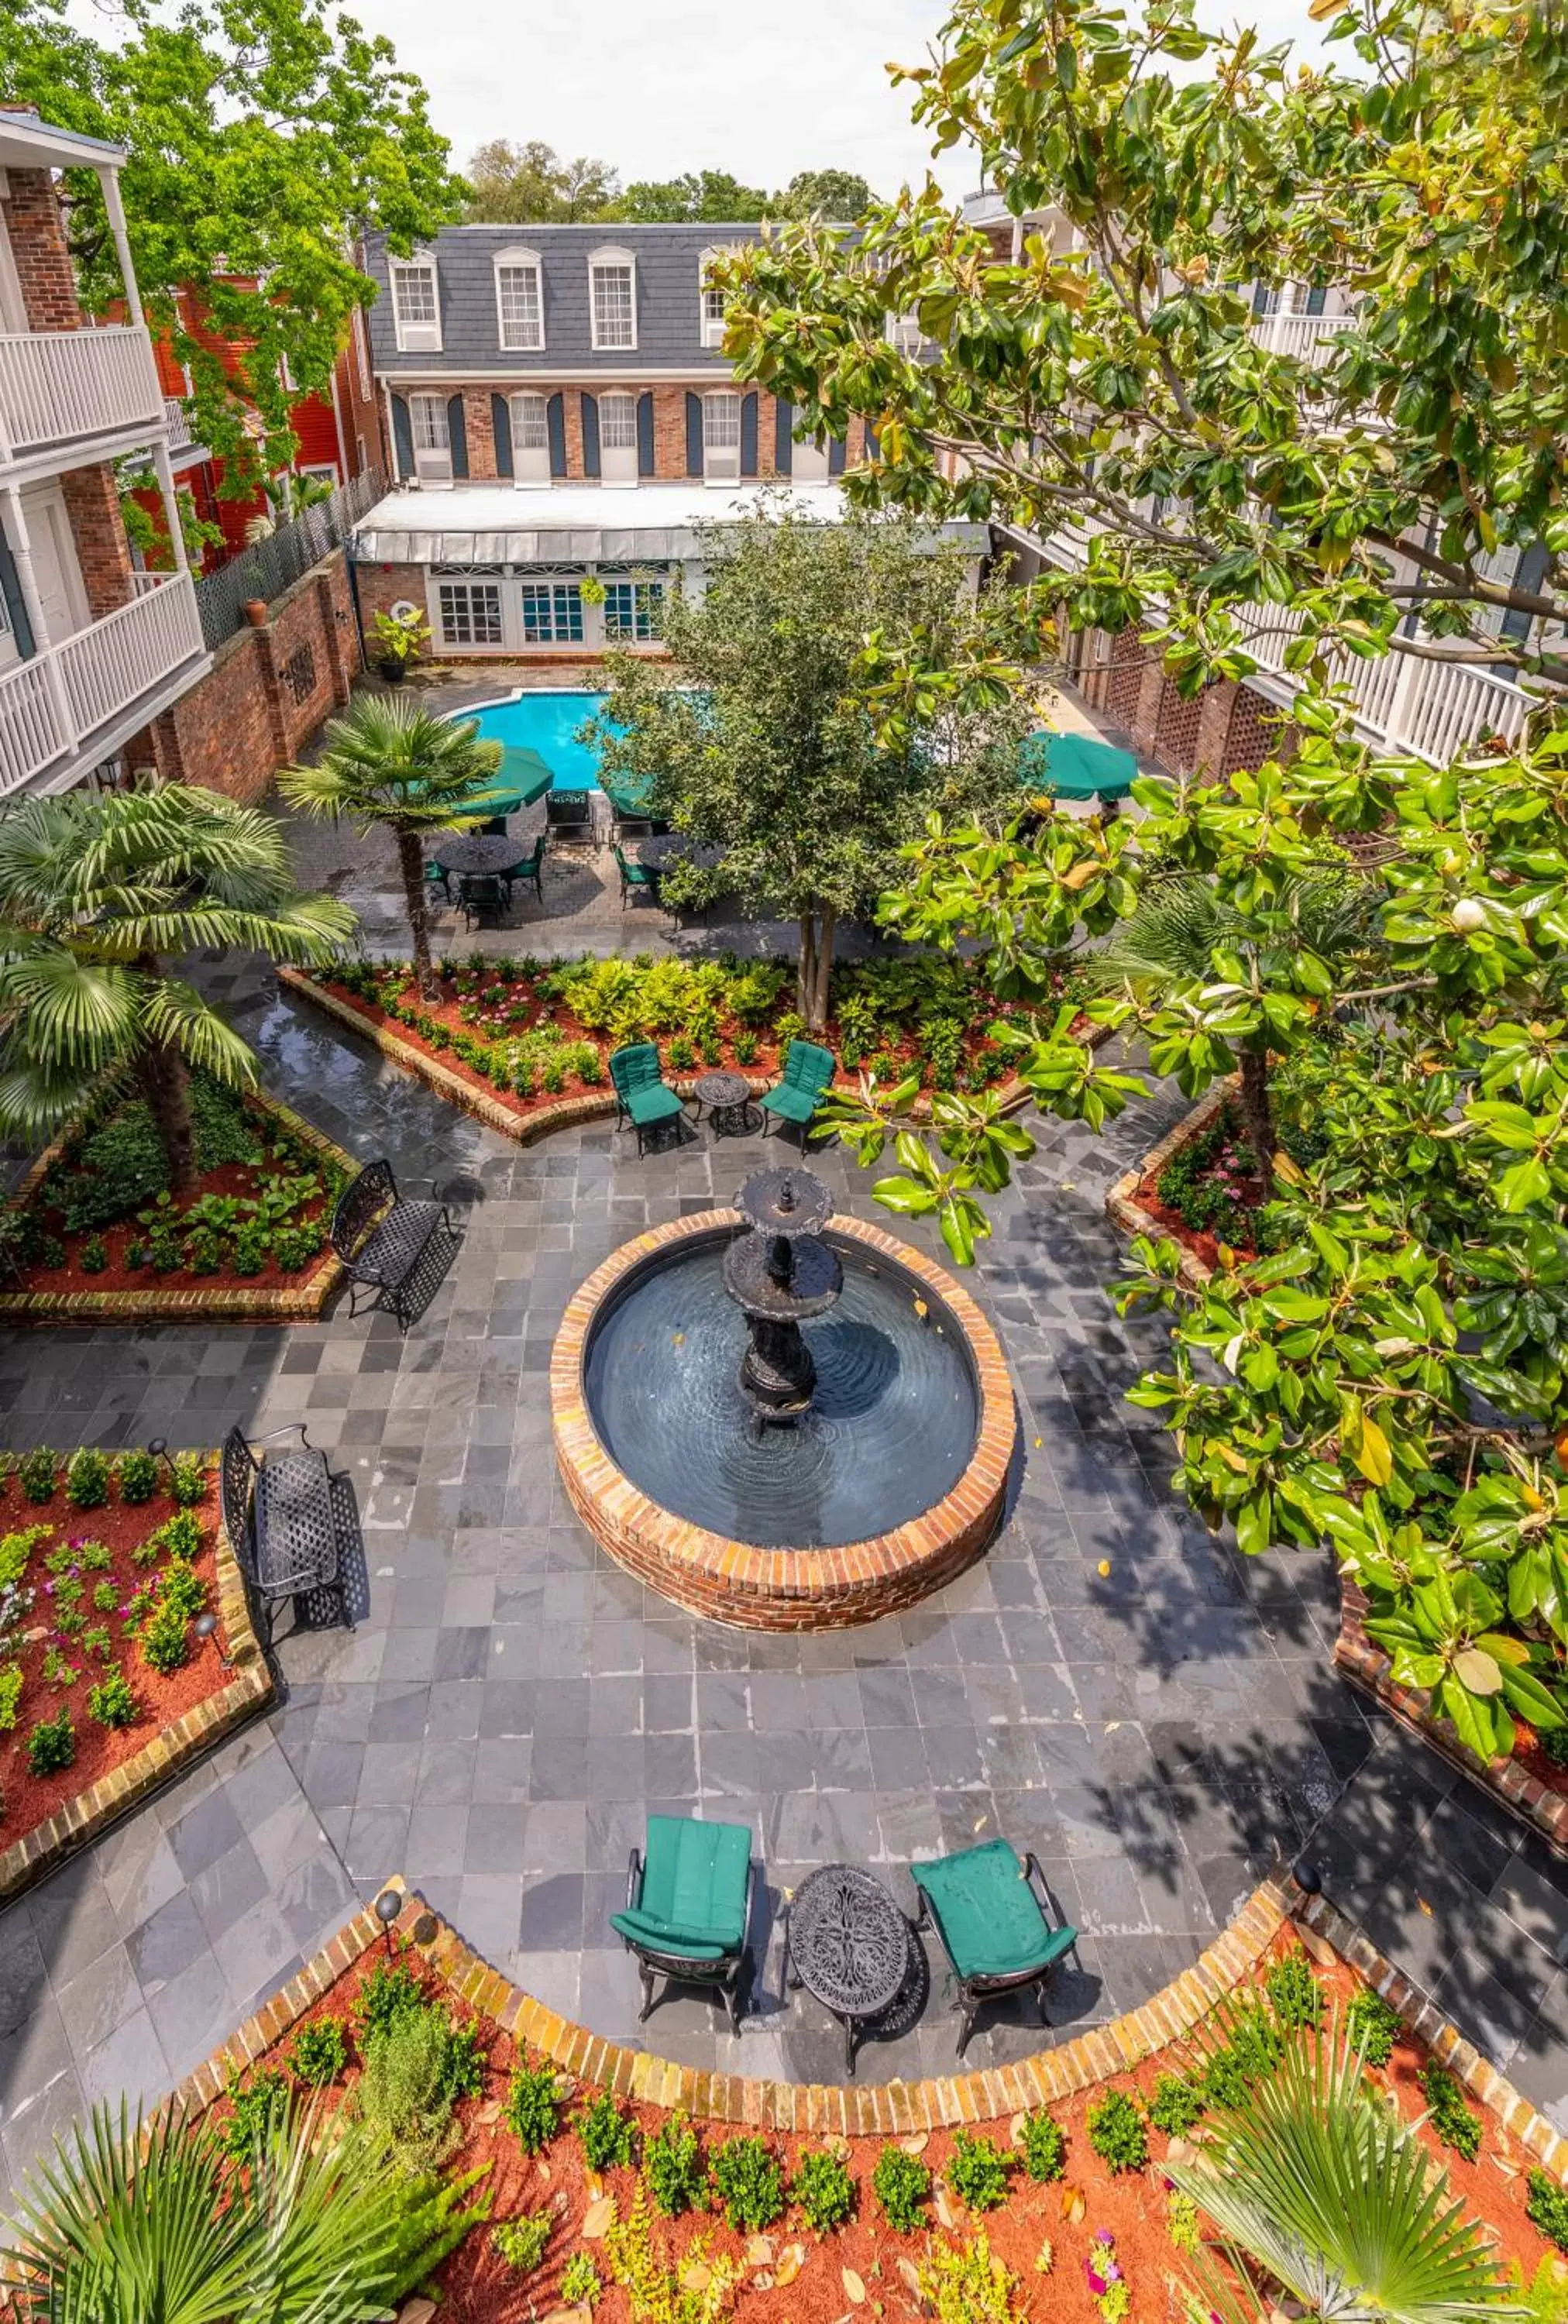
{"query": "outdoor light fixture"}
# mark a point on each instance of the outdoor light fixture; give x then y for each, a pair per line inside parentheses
(158, 1446)
(426, 1929)
(388, 1905)
(1306, 1877)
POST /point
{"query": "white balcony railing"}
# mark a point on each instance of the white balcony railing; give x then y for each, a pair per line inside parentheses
(67, 388)
(55, 708)
(1309, 337)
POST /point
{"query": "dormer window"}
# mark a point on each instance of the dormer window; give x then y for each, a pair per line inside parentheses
(710, 303)
(520, 299)
(416, 306)
(612, 298)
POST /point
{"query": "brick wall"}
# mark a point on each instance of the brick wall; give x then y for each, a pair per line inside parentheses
(267, 692)
(1224, 729)
(38, 244)
(93, 506)
(669, 429)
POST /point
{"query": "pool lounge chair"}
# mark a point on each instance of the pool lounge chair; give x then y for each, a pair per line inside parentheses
(688, 1906)
(994, 1928)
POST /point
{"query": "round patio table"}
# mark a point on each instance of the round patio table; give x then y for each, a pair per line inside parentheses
(668, 848)
(480, 851)
(846, 1942)
(728, 1099)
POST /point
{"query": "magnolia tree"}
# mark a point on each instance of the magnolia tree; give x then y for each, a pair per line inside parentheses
(1388, 1373)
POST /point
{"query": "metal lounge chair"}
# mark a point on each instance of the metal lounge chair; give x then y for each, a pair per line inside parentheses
(570, 812)
(807, 1070)
(995, 1929)
(643, 1098)
(636, 879)
(688, 1906)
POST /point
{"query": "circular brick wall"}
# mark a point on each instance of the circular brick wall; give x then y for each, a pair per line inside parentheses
(780, 1589)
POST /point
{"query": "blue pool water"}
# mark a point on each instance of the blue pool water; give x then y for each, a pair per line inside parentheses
(547, 723)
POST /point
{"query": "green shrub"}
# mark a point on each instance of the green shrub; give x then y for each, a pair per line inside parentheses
(580, 2284)
(523, 2243)
(1455, 2125)
(680, 1055)
(1045, 2146)
(16, 1548)
(1555, 1744)
(1252, 2049)
(1373, 2025)
(98, 1640)
(182, 1592)
(252, 2107)
(37, 1474)
(319, 2051)
(387, 1994)
(10, 1696)
(51, 1744)
(463, 2061)
(1293, 1991)
(137, 1474)
(179, 1534)
(605, 2133)
(746, 2180)
(56, 1670)
(966, 2283)
(106, 1597)
(166, 1640)
(93, 1556)
(94, 1256)
(402, 2096)
(533, 2107)
(86, 1479)
(745, 1046)
(1547, 2208)
(1181, 2221)
(901, 2184)
(295, 1247)
(1117, 2133)
(825, 2190)
(673, 2168)
(978, 2172)
(188, 1481)
(1175, 2105)
(111, 1702)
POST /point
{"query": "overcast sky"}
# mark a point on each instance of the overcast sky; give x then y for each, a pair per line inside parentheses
(657, 87)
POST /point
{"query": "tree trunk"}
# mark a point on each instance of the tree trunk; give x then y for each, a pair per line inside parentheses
(824, 987)
(806, 975)
(411, 865)
(166, 1081)
(1258, 1115)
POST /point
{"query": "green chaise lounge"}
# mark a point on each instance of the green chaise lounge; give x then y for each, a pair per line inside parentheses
(995, 1930)
(688, 1906)
(643, 1096)
(808, 1071)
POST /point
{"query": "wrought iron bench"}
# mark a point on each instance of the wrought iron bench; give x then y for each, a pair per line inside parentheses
(294, 1524)
(384, 1241)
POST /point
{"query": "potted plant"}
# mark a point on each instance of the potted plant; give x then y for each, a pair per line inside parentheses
(399, 637)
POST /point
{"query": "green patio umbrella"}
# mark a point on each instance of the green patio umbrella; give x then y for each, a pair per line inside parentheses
(1075, 765)
(522, 778)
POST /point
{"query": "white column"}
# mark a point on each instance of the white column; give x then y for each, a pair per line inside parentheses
(27, 582)
(109, 179)
(166, 485)
(1410, 682)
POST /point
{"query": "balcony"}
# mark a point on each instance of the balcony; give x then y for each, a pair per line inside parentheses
(74, 703)
(68, 397)
(1308, 337)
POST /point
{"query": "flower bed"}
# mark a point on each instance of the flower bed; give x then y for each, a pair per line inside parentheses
(105, 1567)
(632, 2212)
(93, 1228)
(528, 1035)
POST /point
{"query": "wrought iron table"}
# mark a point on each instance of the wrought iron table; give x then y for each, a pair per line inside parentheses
(666, 849)
(846, 1942)
(479, 851)
(728, 1099)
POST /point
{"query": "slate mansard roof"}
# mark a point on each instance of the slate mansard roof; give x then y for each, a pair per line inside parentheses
(668, 262)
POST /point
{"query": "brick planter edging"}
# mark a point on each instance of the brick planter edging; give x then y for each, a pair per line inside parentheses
(1121, 1203)
(282, 1303)
(1514, 1787)
(85, 1813)
(780, 1589)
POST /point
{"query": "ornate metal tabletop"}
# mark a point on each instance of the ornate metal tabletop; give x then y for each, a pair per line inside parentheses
(666, 849)
(479, 851)
(848, 1945)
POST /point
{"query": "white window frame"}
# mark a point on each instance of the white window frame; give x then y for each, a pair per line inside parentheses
(519, 261)
(430, 426)
(444, 594)
(561, 593)
(618, 459)
(415, 334)
(608, 259)
(530, 463)
(710, 327)
(320, 472)
(648, 595)
(721, 456)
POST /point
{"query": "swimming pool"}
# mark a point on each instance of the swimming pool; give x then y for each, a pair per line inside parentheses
(547, 722)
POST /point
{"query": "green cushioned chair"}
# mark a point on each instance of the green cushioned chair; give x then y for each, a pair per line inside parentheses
(688, 1906)
(994, 1928)
(807, 1070)
(643, 1098)
(636, 879)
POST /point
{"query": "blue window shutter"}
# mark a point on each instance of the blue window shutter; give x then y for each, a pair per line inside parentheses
(783, 437)
(403, 435)
(835, 451)
(693, 434)
(500, 421)
(557, 422)
(1316, 300)
(749, 435)
(645, 466)
(872, 447)
(1530, 574)
(11, 590)
(457, 430)
(590, 404)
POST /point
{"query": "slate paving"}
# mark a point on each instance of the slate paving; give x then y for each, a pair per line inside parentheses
(512, 1706)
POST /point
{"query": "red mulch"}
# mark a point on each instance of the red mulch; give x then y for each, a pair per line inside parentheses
(29, 1799)
(476, 2287)
(1533, 1759)
(241, 1178)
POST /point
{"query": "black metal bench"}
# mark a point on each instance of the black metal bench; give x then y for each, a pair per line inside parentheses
(294, 1524)
(384, 1241)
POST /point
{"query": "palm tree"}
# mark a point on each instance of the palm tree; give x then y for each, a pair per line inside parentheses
(394, 764)
(95, 887)
(1313, 2179)
(1173, 945)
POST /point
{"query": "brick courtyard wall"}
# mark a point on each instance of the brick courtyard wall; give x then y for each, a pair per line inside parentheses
(92, 504)
(1224, 729)
(266, 694)
(38, 244)
(383, 586)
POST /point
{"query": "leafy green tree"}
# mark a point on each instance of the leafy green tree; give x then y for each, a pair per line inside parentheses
(841, 194)
(94, 888)
(391, 763)
(764, 746)
(699, 194)
(517, 185)
(263, 137)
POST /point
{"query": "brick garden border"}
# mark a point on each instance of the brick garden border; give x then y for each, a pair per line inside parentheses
(888, 2109)
(780, 1589)
(1121, 1203)
(283, 1303)
(88, 1813)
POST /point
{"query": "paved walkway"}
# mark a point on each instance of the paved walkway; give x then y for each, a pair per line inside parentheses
(512, 1705)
